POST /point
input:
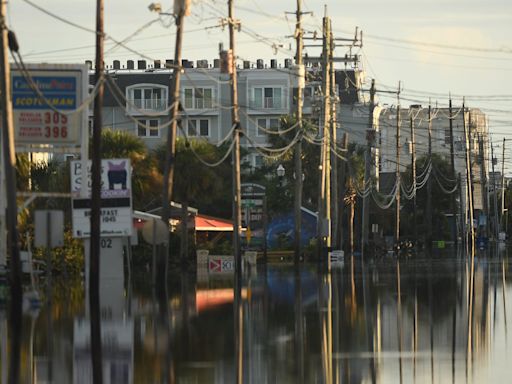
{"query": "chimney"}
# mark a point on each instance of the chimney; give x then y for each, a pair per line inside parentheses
(273, 63)
(169, 63)
(187, 64)
(259, 64)
(141, 64)
(247, 64)
(202, 64)
(89, 64)
(157, 64)
(216, 63)
(117, 64)
(130, 64)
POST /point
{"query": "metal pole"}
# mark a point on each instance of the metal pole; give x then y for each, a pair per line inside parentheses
(503, 183)
(12, 211)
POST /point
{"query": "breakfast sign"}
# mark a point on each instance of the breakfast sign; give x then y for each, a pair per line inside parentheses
(116, 198)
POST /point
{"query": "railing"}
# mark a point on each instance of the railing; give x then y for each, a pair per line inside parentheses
(153, 105)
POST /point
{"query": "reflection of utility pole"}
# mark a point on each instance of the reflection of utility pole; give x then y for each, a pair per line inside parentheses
(495, 196)
(483, 183)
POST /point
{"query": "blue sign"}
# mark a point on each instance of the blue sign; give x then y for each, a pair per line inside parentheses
(280, 232)
(60, 91)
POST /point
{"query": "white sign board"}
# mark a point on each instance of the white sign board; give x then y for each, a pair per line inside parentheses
(116, 198)
(64, 87)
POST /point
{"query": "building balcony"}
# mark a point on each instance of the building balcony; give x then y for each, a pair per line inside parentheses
(143, 106)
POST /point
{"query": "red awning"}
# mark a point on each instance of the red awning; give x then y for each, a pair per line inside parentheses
(212, 224)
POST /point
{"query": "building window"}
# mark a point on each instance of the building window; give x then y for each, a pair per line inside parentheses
(148, 97)
(148, 128)
(267, 98)
(198, 98)
(198, 127)
(267, 124)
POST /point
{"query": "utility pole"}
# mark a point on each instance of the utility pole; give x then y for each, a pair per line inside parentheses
(370, 140)
(483, 182)
(298, 147)
(452, 161)
(397, 199)
(341, 193)
(333, 141)
(428, 213)
(495, 195)
(237, 215)
(181, 11)
(469, 180)
(325, 217)
(502, 221)
(11, 217)
(94, 259)
(413, 172)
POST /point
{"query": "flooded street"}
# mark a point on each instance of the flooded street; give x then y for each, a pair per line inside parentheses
(408, 321)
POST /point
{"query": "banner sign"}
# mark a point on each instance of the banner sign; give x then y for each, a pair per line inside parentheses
(65, 87)
(116, 198)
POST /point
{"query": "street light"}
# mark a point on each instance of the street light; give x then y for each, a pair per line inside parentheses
(280, 171)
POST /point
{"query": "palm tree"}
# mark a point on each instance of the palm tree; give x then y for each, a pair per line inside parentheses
(146, 178)
(195, 181)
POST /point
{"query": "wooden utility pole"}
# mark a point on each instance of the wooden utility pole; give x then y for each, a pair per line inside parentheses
(503, 186)
(469, 181)
(237, 211)
(428, 215)
(333, 141)
(495, 196)
(452, 161)
(397, 176)
(370, 140)
(298, 147)
(94, 271)
(341, 193)
(11, 217)
(325, 194)
(483, 183)
(413, 176)
(324, 209)
(170, 154)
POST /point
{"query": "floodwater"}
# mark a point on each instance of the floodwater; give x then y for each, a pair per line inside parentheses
(416, 320)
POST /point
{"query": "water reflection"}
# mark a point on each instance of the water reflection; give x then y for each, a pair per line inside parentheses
(387, 321)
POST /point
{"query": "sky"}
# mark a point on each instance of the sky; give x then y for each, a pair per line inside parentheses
(431, 47)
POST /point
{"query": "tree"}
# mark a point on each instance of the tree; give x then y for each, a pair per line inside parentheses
(196, 183)
(146, 176)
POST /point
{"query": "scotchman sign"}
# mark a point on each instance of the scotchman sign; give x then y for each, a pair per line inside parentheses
(65, 87)
(116, 198)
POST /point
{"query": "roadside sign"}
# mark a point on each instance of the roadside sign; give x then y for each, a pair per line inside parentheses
(116, 198)
(49, 228)
(221, 264)
(65, 87)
